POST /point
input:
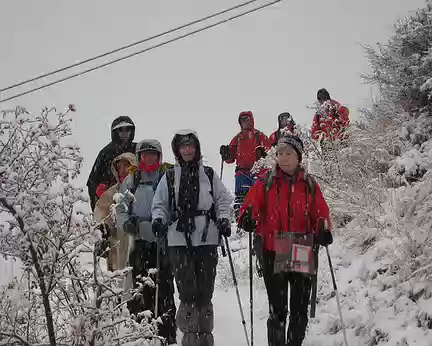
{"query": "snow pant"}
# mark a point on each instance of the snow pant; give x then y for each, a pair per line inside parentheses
(195, 273)
(277, 292)
(243, 182)
(142, 259)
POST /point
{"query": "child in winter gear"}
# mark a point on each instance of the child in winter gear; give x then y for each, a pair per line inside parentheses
(331, 120)
(122, 135)
(282, 201)
(285, 121)
(184, 200)
(244, 149)
(120, 167)
(134, 217)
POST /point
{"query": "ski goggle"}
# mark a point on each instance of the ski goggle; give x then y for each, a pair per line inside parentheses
(147, 147)
(187, 140)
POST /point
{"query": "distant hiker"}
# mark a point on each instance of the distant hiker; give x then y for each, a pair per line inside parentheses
(117, 259)
(134, 218)
(285, 121)
(285, 207)
(194, 203)
(331, 119)
(247, 147)
(101, 177)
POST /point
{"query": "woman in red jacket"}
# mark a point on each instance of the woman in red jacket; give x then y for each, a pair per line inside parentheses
(281, 201)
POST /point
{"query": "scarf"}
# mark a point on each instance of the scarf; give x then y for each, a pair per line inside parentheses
(188, 196)
(149, 168)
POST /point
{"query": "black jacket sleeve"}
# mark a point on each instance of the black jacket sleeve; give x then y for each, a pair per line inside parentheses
(96, 177)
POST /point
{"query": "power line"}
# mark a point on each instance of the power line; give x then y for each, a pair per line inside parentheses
(141, 51)
(125, 47)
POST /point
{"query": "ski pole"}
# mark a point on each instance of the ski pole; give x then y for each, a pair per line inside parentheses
(337, 296)
(251, 289)
(237, 290)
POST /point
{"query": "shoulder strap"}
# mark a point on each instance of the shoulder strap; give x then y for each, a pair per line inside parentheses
(171, 190)
(258, 137)
(268, 183)
(210, 175)
(132, 190)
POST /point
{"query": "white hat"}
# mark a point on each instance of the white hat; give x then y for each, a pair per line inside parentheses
(122, 124)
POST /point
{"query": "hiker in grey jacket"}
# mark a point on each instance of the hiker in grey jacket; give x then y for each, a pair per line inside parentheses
(197, 219)
(134, 217)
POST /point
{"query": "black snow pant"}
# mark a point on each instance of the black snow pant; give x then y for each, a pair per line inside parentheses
(142, 259)
(195, 273)
(277, 292)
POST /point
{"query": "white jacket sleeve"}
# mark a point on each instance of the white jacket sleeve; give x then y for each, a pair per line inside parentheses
(160, 206)
(122, 209)
(222, 199)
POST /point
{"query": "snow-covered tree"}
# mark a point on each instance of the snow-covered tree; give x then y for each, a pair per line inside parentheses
(64, 296)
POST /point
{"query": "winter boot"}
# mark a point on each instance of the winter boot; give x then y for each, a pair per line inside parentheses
(276, 331)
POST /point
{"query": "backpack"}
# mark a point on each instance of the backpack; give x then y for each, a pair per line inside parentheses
(310, 189)
(172, 205)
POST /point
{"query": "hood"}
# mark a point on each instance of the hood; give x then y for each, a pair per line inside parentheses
(284, 114)
(176, 141)
(149, 144)
(251, 116)
(125, 156)
(118, 121)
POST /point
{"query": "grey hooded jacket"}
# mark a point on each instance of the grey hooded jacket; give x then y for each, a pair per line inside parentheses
(144, 194)
(222, 201)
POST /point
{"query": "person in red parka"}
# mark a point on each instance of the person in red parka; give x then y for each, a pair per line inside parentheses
(247, 147)
(331, 120)
(286, 205)
(285, 121)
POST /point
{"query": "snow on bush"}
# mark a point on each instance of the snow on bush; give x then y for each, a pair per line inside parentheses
(64, 297)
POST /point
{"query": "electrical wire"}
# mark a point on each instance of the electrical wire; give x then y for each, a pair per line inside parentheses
(125, 47)
(140, 52)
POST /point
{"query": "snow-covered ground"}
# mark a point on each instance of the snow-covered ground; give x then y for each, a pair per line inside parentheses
(375, 309)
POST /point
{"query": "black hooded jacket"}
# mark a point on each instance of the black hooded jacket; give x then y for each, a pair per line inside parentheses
(101, 171)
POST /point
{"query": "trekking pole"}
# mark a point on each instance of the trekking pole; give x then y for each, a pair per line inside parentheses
(337, 296)
(157, 278)
(251, 289)
(224, 254)
(237, 290)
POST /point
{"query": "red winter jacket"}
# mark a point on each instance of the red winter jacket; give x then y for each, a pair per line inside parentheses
(332, 119)
(286, 206)
(243, 146)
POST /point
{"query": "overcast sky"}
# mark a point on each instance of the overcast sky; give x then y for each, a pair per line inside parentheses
(268, 62)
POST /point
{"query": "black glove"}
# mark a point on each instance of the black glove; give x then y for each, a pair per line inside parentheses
(261, 152)
(224, 227)
(131, 226)
(246, 222)
(324, 238)
(159, 228)
(224, 152)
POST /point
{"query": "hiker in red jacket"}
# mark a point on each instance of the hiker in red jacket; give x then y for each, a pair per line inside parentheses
(284, 201)
(247, 147)
(285, 121)
(331, 119)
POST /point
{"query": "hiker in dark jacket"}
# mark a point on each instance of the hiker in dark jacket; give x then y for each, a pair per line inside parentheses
(134, 218)
(101, 177)
(198, 214)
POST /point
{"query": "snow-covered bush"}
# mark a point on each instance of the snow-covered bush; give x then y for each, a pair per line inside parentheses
(64, 296)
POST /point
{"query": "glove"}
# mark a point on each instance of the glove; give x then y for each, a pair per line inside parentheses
(224, 152)
(224, 227)
(159, 228)
(101, 189)
(131, 226)
(246, 222)
(324, 238)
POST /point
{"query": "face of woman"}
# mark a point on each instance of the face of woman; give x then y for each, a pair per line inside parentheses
(149, 157)
(187, 152)
(287, 159)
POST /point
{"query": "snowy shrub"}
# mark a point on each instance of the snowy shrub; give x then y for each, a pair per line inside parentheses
(64, 297)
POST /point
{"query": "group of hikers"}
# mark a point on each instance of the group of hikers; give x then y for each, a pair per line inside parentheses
(173, 217)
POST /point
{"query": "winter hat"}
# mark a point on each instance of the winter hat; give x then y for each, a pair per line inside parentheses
(294, 142)
(323, 95)
(185, 137)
